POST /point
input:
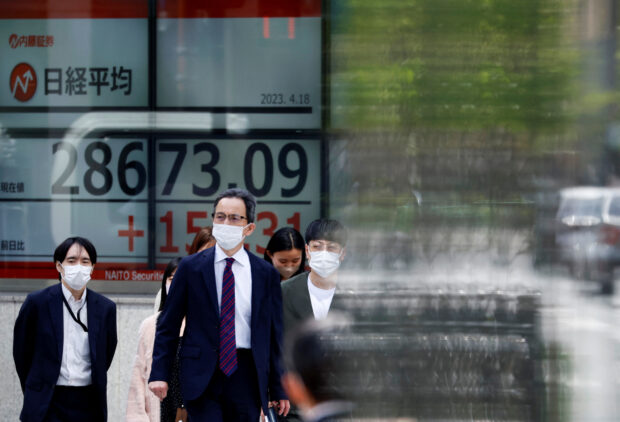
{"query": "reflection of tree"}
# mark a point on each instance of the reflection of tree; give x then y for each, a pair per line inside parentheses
(460, 100)
(450, 65)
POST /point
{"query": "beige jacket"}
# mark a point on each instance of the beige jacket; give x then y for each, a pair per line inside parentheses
(142, 404)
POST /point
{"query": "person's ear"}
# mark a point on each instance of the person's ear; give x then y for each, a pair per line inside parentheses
(296, 390)
(269, 255)
(249, 229)
(59, 267)
(343, 254)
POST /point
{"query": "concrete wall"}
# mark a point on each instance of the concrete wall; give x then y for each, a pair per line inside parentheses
(131, 310)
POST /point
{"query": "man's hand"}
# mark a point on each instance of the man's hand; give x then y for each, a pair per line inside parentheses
(283, 407)
(159, 388)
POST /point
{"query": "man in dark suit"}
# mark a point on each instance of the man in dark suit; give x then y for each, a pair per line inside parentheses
(230, 358)
(312, 294)
(315, 371)
(64, 341)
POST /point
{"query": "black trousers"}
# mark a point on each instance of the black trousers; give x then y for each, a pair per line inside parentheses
(229, 399)
(74, 404)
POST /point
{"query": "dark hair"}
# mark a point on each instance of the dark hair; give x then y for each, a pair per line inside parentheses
(285, 239)
(202, 238)
(325, 229)
(247, 197)
(314, 352)
(61, 250)
(172, 265)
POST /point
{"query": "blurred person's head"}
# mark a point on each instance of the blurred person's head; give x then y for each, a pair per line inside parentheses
(314, 362)
(75, 259)
(233, 218)
(166, 281)
(286, 252)
(203, 240)
(325, 246)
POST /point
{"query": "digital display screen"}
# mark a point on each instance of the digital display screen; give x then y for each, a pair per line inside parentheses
(98, 188)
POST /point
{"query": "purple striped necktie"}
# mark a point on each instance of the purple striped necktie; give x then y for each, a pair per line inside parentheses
(228, 343)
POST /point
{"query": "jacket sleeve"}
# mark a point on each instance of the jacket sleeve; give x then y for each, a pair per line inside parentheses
(137, 403)
(276, 392)
(23, 339)
(112, 336)
(169, 325)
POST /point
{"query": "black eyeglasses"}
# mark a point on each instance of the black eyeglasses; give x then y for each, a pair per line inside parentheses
(320, 245)
(220, 218)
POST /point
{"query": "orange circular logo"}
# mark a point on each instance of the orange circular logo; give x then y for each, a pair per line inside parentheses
(23, 82)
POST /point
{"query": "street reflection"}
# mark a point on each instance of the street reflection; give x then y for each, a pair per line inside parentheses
(442, 352)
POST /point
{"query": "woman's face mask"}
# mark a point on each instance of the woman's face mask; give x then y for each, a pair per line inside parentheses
(286, 262)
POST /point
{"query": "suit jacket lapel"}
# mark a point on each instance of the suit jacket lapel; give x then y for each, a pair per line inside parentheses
(208, 274)
(55, 305)
(94, 324)
(302, 299)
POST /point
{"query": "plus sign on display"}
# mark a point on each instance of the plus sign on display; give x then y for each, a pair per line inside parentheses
(131, 233)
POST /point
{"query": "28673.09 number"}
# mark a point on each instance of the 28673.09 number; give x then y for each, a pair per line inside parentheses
(98, 157)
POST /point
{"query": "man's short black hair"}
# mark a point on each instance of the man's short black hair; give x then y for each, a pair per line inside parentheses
(313, 352)
(247, 197)
(61, 250)
(325, 229)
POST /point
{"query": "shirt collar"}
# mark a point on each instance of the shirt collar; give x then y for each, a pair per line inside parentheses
(69, 296)
(241, 256)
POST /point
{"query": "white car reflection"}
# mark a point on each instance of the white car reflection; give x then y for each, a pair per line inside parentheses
(588, 233)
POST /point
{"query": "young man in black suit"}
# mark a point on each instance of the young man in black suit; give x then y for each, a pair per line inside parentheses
(64, 341)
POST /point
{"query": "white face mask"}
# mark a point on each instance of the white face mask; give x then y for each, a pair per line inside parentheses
(76, 276)
(287, 272)
(324, 263)
(228, 237)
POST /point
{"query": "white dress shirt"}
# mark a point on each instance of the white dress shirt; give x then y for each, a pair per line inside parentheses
(243, 292)
(321, 300)
(75, 367)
